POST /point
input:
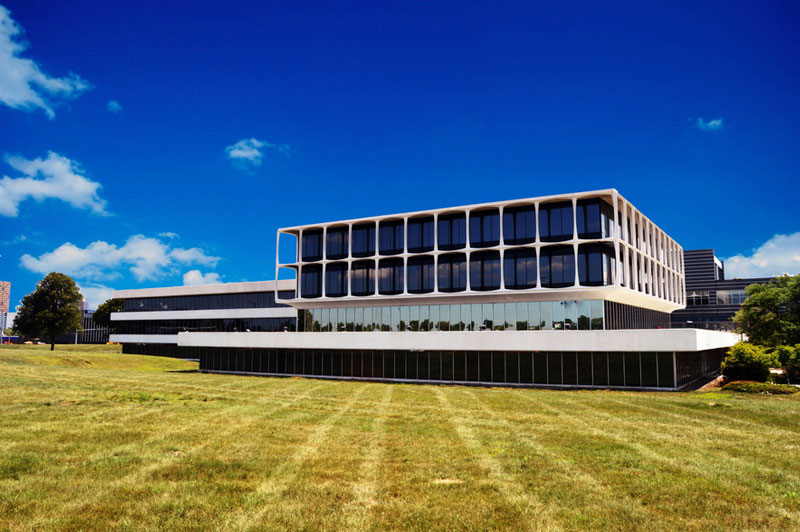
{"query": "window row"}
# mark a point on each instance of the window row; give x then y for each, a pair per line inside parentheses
(420, 275)
(541, 315)
(559, 368)
(218, 325)
(518, 225)
(207, 302)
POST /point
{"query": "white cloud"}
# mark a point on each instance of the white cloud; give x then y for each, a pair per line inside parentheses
(95, 294)
(55, 177)
(195, 277)
(711, 125)
(23, 85)
(249, 153)
(169, 234)
(780, 254)
(146, 258)
(114, 107)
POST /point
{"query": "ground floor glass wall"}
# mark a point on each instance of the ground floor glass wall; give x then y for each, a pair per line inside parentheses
(568, 368)
(546, 315)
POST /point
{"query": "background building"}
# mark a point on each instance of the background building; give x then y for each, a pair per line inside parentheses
(711, 300)
(153, 317)
(5, 301)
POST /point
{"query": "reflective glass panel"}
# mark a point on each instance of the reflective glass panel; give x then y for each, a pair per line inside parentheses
(363, 240)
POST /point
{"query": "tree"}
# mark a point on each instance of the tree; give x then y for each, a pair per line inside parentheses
(789, 358)
(102, 316)
(750, 362)
(52, 309)
(771, 313)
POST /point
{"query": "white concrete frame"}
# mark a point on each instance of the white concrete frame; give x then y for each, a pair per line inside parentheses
(645, 340)
(649, 263)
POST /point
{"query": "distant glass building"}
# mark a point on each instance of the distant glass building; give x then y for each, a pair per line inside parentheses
(711, 300)
(567, 290)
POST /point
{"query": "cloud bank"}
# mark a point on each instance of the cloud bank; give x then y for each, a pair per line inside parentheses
(146, 258)
(196, 277)
(55, 177)
(250, 153)
(23, 85)
(780, 254)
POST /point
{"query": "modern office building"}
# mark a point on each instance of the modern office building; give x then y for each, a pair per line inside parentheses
(567, 290)
(152, 317)
(711, 300)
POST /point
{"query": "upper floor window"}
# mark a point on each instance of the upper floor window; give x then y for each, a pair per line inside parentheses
(363, 240)
(484, 228)
(336, 243)
(362, 278)
(311, 281)
(420, 234)
(312, 245)
(336, 280)
(596, 265)
(731, 297)
(555, 222)
(390, 237)
(484, 270)
(557, 266)
(595, 219)
(420, 275)
(519, 268)
(390, 276)
(452, 272)
(519, 225)
(452, 231)
(697, 297)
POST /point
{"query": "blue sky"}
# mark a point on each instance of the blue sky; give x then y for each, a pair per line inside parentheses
(148, 144)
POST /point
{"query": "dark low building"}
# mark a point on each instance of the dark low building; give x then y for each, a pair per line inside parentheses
(711, 300)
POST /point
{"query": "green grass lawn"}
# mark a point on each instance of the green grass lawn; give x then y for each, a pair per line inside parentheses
(92, 439)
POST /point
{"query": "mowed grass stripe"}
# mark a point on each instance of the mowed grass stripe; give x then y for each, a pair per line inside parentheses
(625, 443)
(533, 514)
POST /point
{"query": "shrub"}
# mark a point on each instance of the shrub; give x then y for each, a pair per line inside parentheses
(749, 362)
(789, 359)
(761, 387)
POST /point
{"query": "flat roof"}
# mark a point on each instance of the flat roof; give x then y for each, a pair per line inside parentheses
(206, 289)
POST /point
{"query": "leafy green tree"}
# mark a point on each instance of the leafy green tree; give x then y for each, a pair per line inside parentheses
(102, 316)
(52, 309)
(789, 358)
(771, 313)
(745, 361)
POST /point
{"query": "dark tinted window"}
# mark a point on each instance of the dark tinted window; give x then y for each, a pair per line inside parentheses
(555, 221)
(452, 272)
(421, 271)
(336, 280)
(390, 237)
(595, 219)
(484, 228)
(336, 243)
(596, 264)
(390, 276)
(519, 225)
(557, 265)
(311, 281)
(420, 234)
(364, 240)
(312, 244)
(452, 231)
(362, 278)
(484, 270)
(519, 268)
